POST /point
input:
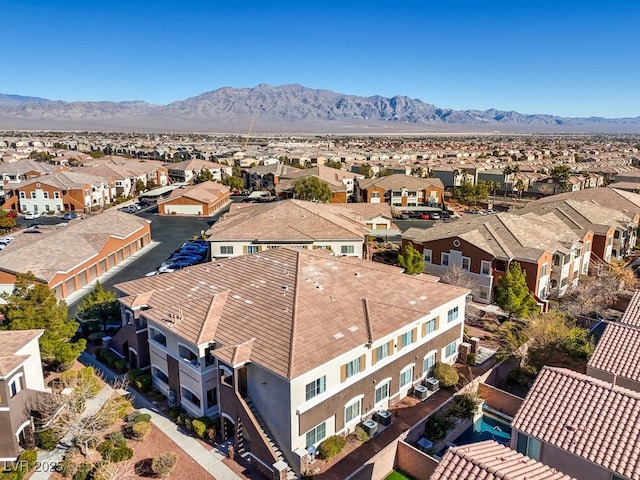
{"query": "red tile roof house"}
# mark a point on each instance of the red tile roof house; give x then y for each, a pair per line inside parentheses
(20, 379)
(490, 460)
(205, 199)
(616, 358)
(582, 426)
(552, 254)
(403, 192)
(302, 342)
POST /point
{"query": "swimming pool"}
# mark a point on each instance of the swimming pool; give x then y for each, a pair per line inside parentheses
(486, 427)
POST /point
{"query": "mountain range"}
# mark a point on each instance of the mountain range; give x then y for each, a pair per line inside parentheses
(286, 109)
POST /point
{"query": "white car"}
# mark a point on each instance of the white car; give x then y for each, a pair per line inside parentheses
(32, 215)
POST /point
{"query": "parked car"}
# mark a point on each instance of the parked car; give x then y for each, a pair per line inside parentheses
(424, 216)
(144, 203)
(128, 209)
(435, 216)
(69, 216)
(12, 214)
(32, 215)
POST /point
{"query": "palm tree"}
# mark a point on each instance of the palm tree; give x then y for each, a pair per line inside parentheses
(519, 186)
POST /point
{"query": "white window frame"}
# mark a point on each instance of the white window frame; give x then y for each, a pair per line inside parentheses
(403, 372)
(157, 377)
(253, 249)
(351, 370)
(382, 349)
(485, 267)
(406, 341)
(453, 314)
(15, 380)
(468, 261)
(226, 249)
(427, 255)
(451, 349)
(427, 370)
(314, 430)
(184, 388)
(319, 386)
(384, 383)
(347, 249)
(444, 260)
(433, 322)
(348, 410)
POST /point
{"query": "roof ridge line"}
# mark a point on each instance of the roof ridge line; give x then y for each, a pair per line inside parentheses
(497, 238)
(367, 322)
(293, 315)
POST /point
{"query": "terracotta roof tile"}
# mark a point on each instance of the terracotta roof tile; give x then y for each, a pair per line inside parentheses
(618, 351)
(490, 460)
(302, 307)
(586, 417)
(631, 315)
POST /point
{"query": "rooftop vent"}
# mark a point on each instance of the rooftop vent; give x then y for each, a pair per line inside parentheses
(358, 274)
(338, 335)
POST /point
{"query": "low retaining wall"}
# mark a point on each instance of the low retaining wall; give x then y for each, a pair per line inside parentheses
(413, 462)
(500, 400)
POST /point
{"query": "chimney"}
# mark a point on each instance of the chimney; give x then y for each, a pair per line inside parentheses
(475, 344)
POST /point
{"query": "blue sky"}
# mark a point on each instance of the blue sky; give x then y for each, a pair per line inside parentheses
(564, 57)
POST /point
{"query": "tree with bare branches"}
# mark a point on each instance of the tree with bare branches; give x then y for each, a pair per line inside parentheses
(458, 277)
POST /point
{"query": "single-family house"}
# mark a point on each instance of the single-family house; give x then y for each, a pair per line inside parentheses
(205, 199)
(403, 192)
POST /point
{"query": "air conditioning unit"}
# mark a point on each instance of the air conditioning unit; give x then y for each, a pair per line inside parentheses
(370, 426)
(432, 384)
(383, 417)
(420, 391)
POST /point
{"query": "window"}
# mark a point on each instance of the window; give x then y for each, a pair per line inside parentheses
(407, 338)
(375, 194)
(316, 435)
(23, 195)
(212, 398)
(466, 263)
(451, 349)
(56, 194)
(191, 397)
(347, 249)
(430, 326)
(382, 392)
(382, 352)
(545, 269)
(226, 249)
(253, 249)
(452, 314)
(353, 367)
(445, 259)
(426, 253)
(160, 375)
(428, 363)
(188, 355)
(485, 267)
(33, 194)
(316, 387)
(406, 377)
(15, 386)
(45, 195)
(352, 411)
(528, 446)
(158, 337)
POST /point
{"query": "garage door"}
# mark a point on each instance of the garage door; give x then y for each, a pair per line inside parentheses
(183, 209)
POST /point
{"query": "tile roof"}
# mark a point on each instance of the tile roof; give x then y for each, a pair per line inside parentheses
(302, 307)
(626, 202)
(65, 180)
(60, 249)
(12, 341)
(582, 215)
(202, 192)
(398, 181)
(490, 460)
(631, 314)
(586, 417)
(505, 235)
(618, 351)
(290, 220)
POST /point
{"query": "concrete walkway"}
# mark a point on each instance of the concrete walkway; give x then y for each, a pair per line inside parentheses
(210, 460)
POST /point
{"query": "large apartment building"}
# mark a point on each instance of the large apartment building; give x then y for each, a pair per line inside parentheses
(302, 342)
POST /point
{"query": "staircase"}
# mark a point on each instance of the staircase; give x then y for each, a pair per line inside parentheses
(267, 435)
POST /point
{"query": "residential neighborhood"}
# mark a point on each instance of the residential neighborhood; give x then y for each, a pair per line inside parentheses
(339, 308)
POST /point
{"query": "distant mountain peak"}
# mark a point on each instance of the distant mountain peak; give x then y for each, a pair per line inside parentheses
(291, 107)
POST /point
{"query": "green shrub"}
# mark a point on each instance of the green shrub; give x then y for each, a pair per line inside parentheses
(331, 447)
(120, 365)
(471, 359)
(69, 378)
(47, 439)
(101, 354)
(29, 456)
(114, 453)
(174, 412)
(12, 475)
(206, 420)
(199, 428)
(446, 374)
(143, 383)
(142, 417)
(111, 359)
(117, 438)
(84, 469)
(163, 464)
(140, 429)
(523, 375)
(133, 374)
(578, 344)
(464, 406)
(362, 435)
(187, 420)
(436, 427)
